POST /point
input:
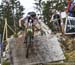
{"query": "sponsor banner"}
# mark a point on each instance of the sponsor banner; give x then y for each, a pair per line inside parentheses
(69, 25)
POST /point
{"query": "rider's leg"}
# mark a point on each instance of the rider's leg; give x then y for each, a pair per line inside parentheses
(25, 39)
(26, 27)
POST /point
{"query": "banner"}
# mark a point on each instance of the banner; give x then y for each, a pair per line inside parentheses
(69, 25)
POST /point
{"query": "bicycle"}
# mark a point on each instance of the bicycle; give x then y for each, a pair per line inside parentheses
(29, 39)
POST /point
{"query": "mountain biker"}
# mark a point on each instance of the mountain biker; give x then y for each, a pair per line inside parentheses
(30, 20)
(56, 19)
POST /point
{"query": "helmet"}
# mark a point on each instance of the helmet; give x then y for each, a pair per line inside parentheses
(32, 14)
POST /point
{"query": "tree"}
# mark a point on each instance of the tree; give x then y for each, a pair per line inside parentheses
(46, 11)
(12, 10)
(38, 5)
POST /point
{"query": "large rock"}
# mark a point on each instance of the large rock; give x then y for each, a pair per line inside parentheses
(45, 49)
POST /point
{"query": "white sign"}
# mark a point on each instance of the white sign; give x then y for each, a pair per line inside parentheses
(70, 25)
(63, 14)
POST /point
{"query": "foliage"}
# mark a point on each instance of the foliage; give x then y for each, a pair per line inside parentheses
(46, 11)
(12, 10)
(6, 62)
(38, 5)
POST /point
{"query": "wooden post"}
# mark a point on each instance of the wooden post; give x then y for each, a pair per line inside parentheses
(6, 28)
(4, 37)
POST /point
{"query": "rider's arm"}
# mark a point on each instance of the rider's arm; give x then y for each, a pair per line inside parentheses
(26, 22)
(51, 18)
(20, 20)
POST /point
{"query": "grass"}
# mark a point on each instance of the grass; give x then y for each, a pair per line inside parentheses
(6, 63)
